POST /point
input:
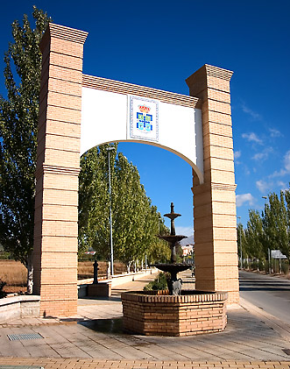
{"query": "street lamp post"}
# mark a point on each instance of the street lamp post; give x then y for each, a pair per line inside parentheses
(109, 149)
(241, 249)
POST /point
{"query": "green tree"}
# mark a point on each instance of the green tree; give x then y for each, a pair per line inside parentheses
(287, 201)
(18, 138)
(94, 201)
(135, 221)
(241, 241)
(159, 251)
(254, 236)
(134, 217)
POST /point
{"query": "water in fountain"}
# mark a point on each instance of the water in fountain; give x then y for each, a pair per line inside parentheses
(174, 284)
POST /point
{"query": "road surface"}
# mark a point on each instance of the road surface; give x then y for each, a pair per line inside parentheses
(272, 294)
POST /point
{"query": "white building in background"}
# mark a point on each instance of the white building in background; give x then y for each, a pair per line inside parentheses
(187, 250)
(187, 245)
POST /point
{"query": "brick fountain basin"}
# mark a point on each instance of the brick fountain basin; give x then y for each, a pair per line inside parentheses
(156, 313)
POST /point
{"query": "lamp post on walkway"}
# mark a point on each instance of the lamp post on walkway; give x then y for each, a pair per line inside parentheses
(109, 149)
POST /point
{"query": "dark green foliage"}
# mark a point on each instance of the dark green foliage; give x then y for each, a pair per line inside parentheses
(245, 265)
(253, 236)
(266, 266)
(2, 285)
(5, 255)
(86, 257)
(276, 224)
(254, 265)
(18, 136)
(268, 231)
(94, 201)
(285, 267)
(261, 265)
(135, 221)
(159, 283)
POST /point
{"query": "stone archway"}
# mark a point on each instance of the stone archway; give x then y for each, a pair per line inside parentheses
(210, 153)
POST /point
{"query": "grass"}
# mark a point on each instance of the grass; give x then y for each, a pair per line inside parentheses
(86, 269)
(14, 273)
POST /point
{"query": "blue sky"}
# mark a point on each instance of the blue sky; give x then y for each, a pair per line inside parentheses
(159, 43)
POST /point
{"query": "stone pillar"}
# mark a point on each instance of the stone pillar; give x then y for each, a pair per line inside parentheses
(58, 165)
(214, 201)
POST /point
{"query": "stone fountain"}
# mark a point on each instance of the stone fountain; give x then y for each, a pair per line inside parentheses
(174, 312)
(174, 285)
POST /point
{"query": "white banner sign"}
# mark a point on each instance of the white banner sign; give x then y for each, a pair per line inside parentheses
(277, 254)
(143, 119)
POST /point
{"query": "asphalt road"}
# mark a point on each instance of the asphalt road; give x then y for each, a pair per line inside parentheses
(272, 294)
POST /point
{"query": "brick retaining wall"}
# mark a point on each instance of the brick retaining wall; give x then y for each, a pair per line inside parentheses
(168, 315)
(19, 307)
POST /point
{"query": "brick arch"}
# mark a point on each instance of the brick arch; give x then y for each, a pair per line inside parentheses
(58, 166)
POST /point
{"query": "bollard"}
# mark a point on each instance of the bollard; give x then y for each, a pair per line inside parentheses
(96, 268)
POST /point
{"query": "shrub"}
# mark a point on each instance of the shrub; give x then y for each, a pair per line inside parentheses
(159, 283)
(245, 265)
(285, 267)
(2, 293)
(86, 257)
(4, 255)
(275, 265)
(261, 265)
(254, 265)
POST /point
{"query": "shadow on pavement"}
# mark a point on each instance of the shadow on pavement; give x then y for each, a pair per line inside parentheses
(253, 285)
(104, 325)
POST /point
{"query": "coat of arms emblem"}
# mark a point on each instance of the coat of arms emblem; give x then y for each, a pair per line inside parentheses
(143, 121)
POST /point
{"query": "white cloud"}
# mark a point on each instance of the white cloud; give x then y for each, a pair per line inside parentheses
(237, 154)
(252, 137)
(275, 133)
(278, 173)
(283, 186)
(245, 198)
(185, 231)
(250, 112)
(287, 161)
(264, 186)
(286, 170)
(263, 155)
(260, 156)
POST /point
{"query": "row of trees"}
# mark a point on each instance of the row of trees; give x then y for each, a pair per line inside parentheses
(135, 221)
(269, 230)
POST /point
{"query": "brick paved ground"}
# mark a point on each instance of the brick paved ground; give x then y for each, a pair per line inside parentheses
(137, 364)
(94, 339)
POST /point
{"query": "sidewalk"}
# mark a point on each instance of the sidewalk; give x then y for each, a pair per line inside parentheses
(94, 339)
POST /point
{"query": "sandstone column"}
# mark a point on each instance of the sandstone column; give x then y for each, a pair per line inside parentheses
(214, 200)
(58, 162)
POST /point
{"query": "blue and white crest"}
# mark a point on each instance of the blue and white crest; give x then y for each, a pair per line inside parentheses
(143, 119)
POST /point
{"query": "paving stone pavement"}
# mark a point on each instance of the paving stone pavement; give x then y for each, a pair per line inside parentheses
(94, 339)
